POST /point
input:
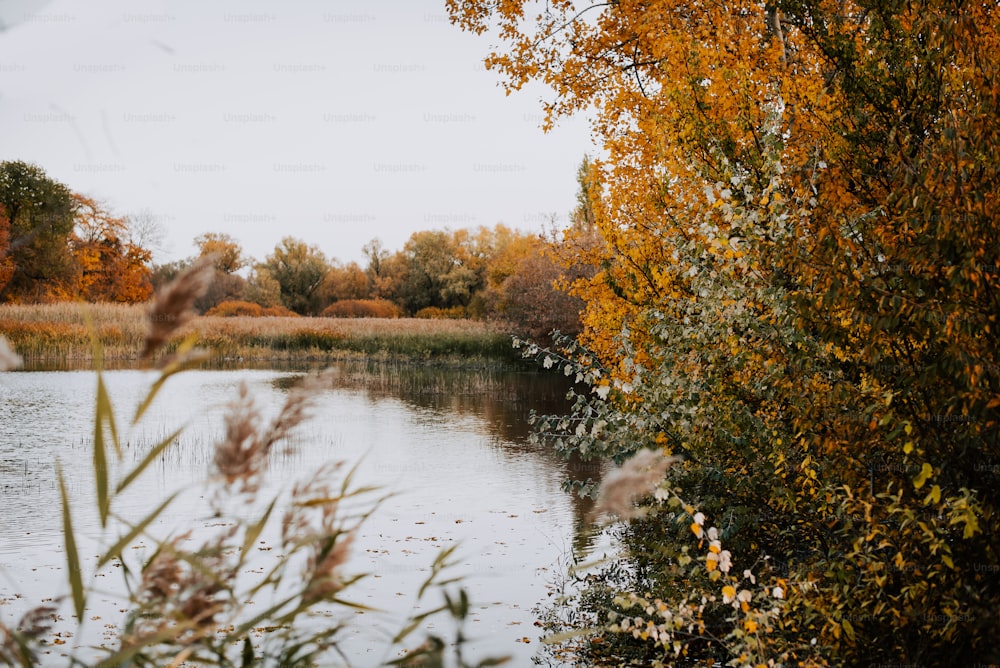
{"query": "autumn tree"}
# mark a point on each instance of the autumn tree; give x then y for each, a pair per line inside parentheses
(522, 286)
(376, 254)
(436, 272)
(344, 281)
(299, 270)
(227, 251)
(6, 257)
(109, 266)
(797, 291)
(226, 284)
(262, 288)
(40, 211)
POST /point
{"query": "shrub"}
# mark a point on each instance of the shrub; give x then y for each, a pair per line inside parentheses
(362, 308)
(437, 313)
(238, 309)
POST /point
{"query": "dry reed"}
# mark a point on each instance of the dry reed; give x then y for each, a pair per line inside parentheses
(636, 478)
(59, 335)
(173, 306)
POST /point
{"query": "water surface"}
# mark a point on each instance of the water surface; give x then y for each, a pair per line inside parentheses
(453, 450)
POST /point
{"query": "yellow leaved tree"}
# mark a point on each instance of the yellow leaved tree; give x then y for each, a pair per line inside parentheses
(797, 291)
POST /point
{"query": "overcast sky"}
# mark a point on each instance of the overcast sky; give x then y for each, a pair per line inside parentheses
(335, 122)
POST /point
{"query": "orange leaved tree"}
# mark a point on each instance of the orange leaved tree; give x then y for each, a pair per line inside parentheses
(798, 292)
(109, 266)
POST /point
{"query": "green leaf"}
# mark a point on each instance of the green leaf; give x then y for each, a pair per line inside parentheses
(72, 557)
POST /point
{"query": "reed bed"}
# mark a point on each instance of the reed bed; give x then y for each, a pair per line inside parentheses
(407, 379)
(60, 335)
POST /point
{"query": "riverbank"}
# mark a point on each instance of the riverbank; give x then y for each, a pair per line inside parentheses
(59, 336)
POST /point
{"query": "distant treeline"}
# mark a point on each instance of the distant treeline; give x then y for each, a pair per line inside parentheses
(57, 245)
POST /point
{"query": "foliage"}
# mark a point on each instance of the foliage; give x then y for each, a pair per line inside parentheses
(110, 266)
(348, 281)
(235, 309)
(58, 245)
(478, 273)
(436, 272)
(299, 270)
(796, 290)
(362, 308)
(40, 212)
(6, 259)
(529, 297)
(226, 250)
(437, 313)
(262, 288)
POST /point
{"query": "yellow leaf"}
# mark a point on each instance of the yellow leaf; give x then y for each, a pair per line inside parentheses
(925, 473)
(908, 447)
(934, 496)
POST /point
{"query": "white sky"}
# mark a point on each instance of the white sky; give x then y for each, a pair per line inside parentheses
(334, 122)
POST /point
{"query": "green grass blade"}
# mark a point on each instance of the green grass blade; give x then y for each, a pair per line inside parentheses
(104, 426)
(116, 549)
(106, 413)
(150, 457)
(72, 556)
(101, 454)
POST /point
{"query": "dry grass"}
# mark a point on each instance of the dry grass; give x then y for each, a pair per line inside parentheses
(59, 334)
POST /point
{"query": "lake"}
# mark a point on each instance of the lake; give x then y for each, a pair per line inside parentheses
(451, 445)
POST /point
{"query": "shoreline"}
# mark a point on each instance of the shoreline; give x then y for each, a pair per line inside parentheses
(60, 337)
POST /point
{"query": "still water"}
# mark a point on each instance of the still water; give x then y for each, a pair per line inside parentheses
(451, 448)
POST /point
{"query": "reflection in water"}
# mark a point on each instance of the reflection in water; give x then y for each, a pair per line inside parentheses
(505, 400)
